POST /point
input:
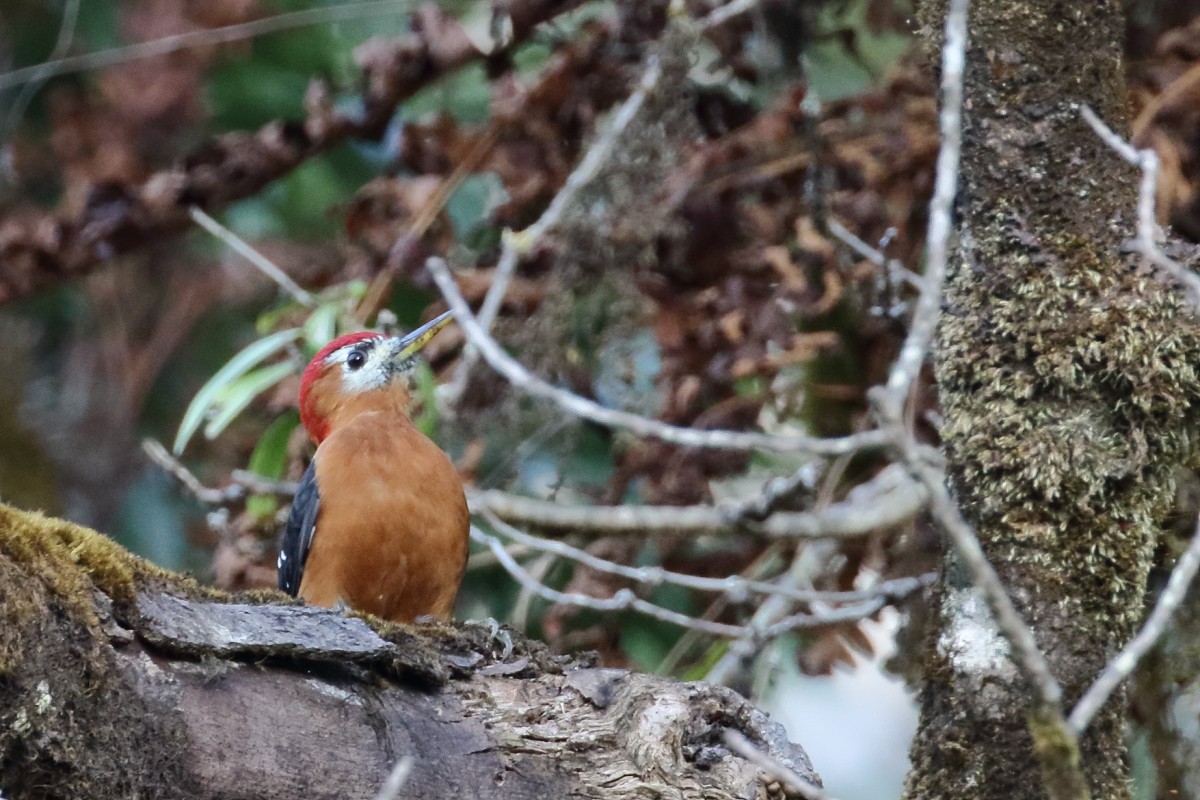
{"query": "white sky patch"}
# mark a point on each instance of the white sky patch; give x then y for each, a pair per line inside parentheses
(856, 725)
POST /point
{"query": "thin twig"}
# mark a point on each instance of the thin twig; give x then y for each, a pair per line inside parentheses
(807, 561)
(1148, 232)
(739, 744)
(264, 264)
(1030, 659)
(623, 600)
(523, 379)
(626, 600)
(257, 484)
(722, 14)
(159, 454)
(378, 293)
(907, 366)
(519, 616)
(242, 482)
(209, 36)
(484, 559)
(879, 504)
(66, 36)
(891, 266)
(1127, 660)
(735, 588)
(517, 244)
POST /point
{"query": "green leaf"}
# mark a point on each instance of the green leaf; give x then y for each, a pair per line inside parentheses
(321, 325)
(425, 389)
(237, 394)
(269, 459)
(708, 660)
(248, 358)
(473, 201)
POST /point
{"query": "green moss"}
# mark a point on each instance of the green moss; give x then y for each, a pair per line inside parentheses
(70, 721)
(71, 560)
(1059, 756)
(1067, 376)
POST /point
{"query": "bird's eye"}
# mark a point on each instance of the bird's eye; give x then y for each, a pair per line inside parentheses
(355, 360)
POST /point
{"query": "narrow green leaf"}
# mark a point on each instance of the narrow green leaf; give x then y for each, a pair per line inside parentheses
(321, 325)
(239, 365)
(269, 459)
(237, 394)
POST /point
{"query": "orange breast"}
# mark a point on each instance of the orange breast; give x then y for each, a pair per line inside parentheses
(391, 536)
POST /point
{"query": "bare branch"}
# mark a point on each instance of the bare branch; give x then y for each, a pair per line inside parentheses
(159, 454)
(734, 588)
(1030, 659)
(890, 265)
(523, 379)
(243, 481)
(264, 264)
(517, 244)
(739, 744)
(627, 600)
(259, 485)
(1148, 232)
(1127, 660)
(807, 561)
(210, 36)
(907, 366)
(623, 600)
(889, 499)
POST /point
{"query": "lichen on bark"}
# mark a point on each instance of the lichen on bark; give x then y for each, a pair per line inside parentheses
(1065, 373)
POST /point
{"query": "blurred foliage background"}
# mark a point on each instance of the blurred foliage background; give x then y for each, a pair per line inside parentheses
(695, 280)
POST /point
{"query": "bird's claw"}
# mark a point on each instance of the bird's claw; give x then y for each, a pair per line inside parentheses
(499, 636)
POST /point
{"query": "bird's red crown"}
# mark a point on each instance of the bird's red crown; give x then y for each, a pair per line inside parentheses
(313, 422)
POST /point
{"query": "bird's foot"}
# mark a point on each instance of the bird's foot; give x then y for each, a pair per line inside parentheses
(501, 638)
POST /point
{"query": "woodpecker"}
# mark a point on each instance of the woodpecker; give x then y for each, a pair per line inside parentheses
(379, 522)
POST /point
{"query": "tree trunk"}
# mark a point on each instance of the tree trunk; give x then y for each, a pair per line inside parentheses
(1065, 371)
(122, 680)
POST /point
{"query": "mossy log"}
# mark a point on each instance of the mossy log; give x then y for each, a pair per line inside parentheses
(124, 680)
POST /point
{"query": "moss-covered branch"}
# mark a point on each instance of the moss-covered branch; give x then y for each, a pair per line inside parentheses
(123, 680)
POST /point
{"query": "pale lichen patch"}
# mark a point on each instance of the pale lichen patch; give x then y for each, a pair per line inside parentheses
(970, 641)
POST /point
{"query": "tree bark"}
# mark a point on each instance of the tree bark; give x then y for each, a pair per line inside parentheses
(122, 680)
(1065, 374)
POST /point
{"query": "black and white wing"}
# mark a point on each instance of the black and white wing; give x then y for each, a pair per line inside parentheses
(298, 535)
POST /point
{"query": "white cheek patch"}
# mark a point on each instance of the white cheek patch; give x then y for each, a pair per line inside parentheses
(373, 374)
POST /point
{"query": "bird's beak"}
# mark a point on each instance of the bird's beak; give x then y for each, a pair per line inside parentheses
(408, 346)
